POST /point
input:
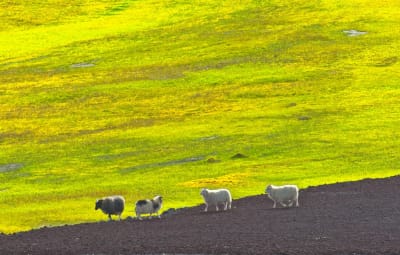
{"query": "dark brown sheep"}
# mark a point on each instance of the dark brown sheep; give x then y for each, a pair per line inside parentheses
(113, 205)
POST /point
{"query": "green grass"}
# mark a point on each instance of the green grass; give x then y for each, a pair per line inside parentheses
(134, 97)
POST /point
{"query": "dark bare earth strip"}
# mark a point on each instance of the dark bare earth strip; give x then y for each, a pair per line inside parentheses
(351, 218)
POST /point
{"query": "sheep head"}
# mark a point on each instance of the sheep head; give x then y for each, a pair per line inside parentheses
(99, 203)
(203, 192)
(158, 199)
(268, 189)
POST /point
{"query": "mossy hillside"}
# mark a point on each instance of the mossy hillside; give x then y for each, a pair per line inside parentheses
(136, 97)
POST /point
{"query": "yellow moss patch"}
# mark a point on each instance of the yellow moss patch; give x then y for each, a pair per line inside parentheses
(224, 180)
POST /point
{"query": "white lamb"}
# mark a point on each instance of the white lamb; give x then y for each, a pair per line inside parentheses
(215, 197)
(286, 195)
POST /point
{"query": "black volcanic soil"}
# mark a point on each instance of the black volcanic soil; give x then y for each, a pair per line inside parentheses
(346, 219)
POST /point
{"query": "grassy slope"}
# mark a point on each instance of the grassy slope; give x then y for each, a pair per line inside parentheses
(121, 96)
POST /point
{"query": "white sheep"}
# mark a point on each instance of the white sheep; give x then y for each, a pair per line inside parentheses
(286, 195)
(215, 197)
(113, 205)
(148, 206)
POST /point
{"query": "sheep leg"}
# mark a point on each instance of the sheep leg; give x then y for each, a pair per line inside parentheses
(297, 202)
(109, 217)
(225, 206)
(274, 206)
(287, 203)
(216, 207)
(206, 208)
